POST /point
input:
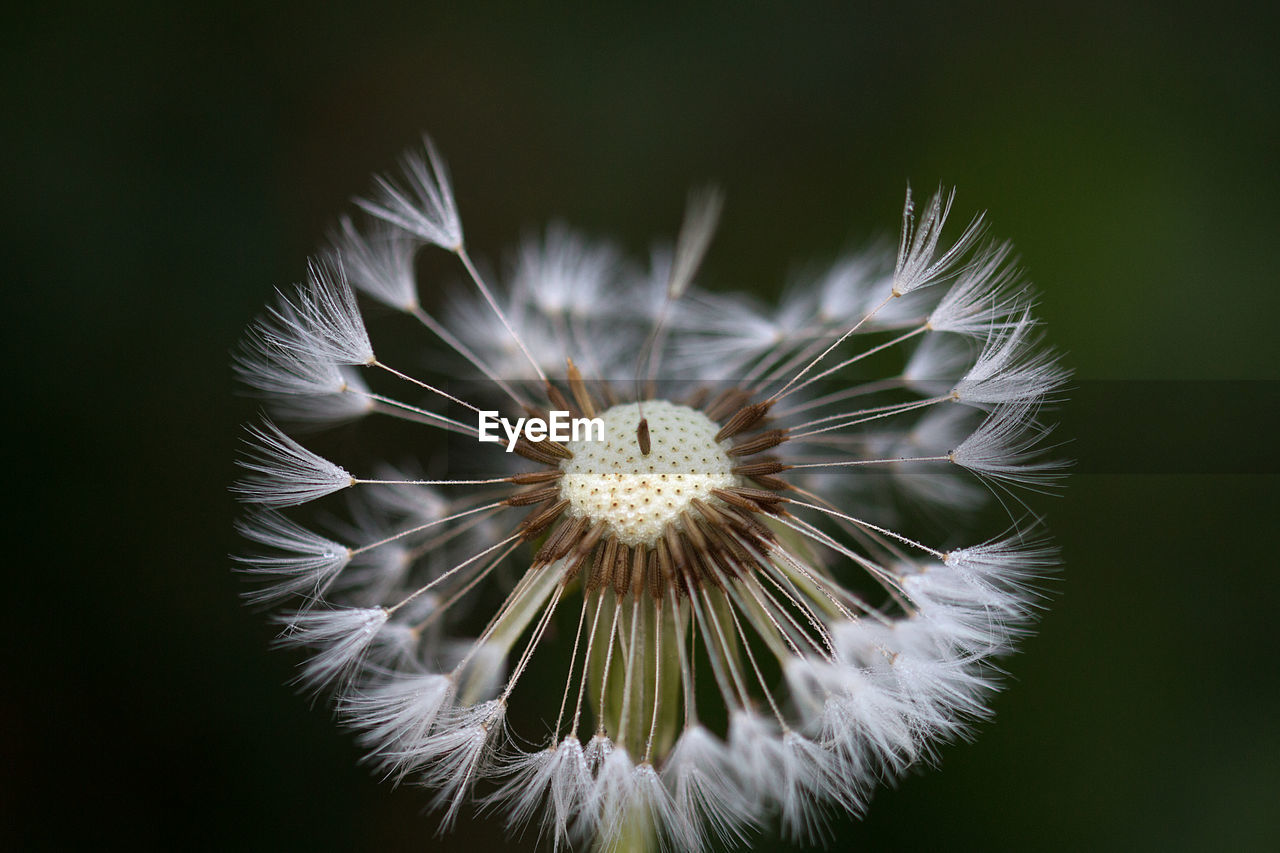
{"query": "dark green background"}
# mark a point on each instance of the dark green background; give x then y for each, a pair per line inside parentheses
(166, 165)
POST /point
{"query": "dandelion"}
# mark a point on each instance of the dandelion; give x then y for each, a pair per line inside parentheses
(753, 592)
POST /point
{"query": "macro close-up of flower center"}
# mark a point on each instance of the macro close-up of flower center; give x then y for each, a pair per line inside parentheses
(690, 570)
(638, 496)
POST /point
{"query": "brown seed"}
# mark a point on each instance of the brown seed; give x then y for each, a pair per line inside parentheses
(698, 397)
(760, 496)
(691, 530)
(580, 392)
(573, 566)
(727, 401)
(775, 483)
(733, 497)
(744, 419)
(622, 572)
(559, 542)
(531, 478)
(559, 401)
(745, 522)
(594, 579)
(538, 520)
(572, 536)
(593, 536)
(764, 441)
(666, 565)
(761, 468)
(711, 570)
(671, 538)
(638, 563)
(546, 452)
(531, 497)
(607, 558)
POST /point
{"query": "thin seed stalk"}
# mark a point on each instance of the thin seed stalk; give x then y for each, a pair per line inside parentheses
(529, 599)
(649, 677)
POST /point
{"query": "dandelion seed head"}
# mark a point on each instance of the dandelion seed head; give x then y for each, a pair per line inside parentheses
(757, 633)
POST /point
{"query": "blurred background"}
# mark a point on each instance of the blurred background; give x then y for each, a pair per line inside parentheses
(165, 165)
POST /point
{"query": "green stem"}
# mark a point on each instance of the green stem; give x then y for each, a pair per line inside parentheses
(637, 834)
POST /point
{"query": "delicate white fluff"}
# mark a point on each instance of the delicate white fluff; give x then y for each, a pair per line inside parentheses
(265, 365)
(798, 312)
(426, 206)
(613, 794)
(986, 294)
(850, 289)
(919, 264)
(738, 323)
(379, 262)
(300, 384)
(322, 322)
(300, 562)
(865, 723)
(339, 638)
(720, 337)
(940, 583)
(376, 575)
(921, 706)
(458, 750)
(351, 401)
(1013, 366)
(284, 473)
(970, 629)
(1005, 447)
(813, 776)
(941, 688)
(945, 693)
(596, 751)
(1011, 563)
(300, 388)
(936, 364)
(606, 349)
(394, 649)
(789, 770)
(700, 219)
(705, 790)
(563, 273)
(545, 787)
(754, 752)
(652, 799)
(866, 712)
(962, 619)
(395, 717)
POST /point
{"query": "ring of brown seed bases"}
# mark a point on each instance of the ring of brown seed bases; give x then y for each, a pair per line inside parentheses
(708, 542)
